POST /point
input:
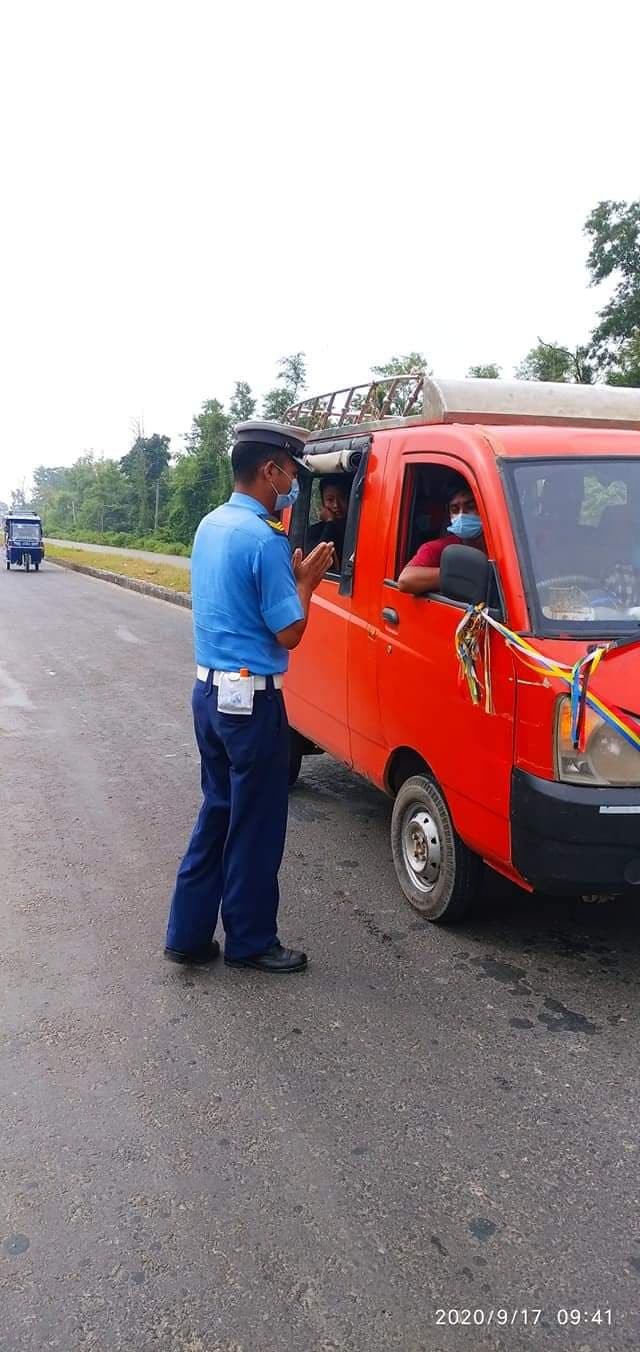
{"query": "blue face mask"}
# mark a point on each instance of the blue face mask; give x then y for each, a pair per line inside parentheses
(287, 499)
(467, 526)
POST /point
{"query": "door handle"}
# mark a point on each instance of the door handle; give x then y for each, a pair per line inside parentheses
(390, 615)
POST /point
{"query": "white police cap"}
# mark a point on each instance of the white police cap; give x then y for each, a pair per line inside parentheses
(261, 432)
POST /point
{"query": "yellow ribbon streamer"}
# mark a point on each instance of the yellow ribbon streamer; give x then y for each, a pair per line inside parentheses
(467, 641)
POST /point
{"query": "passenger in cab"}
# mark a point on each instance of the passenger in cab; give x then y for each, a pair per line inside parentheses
(334, 495)
(422, 573)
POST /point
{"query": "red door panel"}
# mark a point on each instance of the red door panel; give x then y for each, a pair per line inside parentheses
(424, 702)
(425, 706)
(316, 685)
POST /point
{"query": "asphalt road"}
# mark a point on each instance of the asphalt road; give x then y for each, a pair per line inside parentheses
(177, 560)
(219, 1162)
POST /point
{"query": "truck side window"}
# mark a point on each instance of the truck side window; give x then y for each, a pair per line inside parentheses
(327, 515)
(423, 512)
(439, 509)
(328, 508)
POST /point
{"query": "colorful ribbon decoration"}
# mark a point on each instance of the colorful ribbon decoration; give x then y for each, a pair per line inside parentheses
(476, 625)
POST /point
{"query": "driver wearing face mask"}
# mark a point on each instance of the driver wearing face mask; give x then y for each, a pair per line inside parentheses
(422, 573)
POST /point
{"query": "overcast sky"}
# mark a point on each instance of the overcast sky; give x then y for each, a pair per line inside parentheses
(192, 189)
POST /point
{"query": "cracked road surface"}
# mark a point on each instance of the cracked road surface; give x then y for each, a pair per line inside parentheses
(212, 1161)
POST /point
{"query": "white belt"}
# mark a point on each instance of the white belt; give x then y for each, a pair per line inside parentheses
(259, 682)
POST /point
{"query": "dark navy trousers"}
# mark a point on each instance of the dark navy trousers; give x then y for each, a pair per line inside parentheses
(236, 848)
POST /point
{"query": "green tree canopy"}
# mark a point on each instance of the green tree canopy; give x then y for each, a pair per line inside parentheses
(290, 386)
(401, 365)
(551, 361)
(614, 230)
(144, 466)
(489, 371)
(46, 480)
(243, 405)
(202, 476)
(410, 363)
(626, 370)
(108, 502)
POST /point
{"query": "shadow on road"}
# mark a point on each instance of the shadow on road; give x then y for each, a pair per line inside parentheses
(504, 914)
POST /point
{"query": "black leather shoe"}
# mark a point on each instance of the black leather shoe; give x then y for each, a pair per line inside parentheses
(276, 959)
(201, 958)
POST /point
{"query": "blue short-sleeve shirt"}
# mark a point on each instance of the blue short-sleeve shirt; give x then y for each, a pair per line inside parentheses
(243, 589)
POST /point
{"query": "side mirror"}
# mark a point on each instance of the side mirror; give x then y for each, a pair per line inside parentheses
(465, 575)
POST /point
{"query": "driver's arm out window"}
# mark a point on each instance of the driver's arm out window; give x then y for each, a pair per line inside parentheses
(423, 512)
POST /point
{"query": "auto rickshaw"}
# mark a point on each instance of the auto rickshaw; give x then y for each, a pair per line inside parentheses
(23, 541)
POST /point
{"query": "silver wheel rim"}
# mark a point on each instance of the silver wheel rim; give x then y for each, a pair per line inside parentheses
(421, 847)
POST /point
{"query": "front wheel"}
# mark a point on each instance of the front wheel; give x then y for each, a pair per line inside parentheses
(27, 562)
(8, 565)
(37, 567)
(437, 872)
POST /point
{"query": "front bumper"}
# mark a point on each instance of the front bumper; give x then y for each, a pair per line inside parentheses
(566, 839)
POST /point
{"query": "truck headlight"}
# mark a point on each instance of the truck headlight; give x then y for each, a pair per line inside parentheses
(607, 757)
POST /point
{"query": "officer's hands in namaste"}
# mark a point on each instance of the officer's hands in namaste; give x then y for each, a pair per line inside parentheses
(309, 571)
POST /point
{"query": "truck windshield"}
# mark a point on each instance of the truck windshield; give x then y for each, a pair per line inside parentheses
(579, 525)
(25, 532)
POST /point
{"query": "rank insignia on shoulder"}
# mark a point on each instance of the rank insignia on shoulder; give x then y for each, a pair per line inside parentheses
(275, 525)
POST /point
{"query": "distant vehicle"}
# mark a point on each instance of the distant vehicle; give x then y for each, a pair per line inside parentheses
(23, 541)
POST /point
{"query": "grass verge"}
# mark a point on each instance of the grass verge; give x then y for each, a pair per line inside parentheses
(161, 574)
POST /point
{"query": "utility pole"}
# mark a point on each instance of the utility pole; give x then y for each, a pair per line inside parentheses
(155, 519)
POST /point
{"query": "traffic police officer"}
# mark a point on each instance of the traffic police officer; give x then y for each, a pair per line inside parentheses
(250, 605)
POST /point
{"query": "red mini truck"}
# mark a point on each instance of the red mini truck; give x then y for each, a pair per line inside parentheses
(501, 712)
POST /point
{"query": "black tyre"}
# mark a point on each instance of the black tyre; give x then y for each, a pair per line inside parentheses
(8, 565)
(437, 872)
(295, 756)
(37, 567)
(27, 562)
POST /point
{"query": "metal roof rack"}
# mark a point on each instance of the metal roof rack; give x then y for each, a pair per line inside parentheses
(419, 398)
(375, 400)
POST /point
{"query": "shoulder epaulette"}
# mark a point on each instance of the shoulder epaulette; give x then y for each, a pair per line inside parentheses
(275, 525)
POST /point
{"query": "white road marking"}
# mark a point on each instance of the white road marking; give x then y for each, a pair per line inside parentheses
(12, 694)
(126, 635)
